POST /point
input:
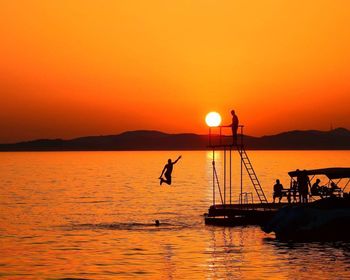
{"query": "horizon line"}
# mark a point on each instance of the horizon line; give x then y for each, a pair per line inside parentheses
(158, 131)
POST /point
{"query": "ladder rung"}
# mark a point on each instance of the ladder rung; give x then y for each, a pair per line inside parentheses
(252, 175)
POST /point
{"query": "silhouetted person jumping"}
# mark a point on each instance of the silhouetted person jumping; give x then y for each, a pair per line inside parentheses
(234, 127)
(167, 170)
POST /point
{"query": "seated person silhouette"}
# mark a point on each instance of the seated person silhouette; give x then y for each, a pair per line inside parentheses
(334, 189)
(316, 189)
(277, 191)
(167, 170)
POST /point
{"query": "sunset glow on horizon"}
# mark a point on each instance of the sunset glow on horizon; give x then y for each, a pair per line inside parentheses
(76, 68)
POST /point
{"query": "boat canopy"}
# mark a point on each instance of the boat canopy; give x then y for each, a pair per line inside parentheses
(331, 173)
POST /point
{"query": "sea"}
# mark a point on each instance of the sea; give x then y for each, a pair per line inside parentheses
(91, 215)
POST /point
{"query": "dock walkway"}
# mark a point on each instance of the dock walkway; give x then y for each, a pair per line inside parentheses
(241, 214)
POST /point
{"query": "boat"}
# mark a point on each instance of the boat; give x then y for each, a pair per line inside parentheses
(323, 219)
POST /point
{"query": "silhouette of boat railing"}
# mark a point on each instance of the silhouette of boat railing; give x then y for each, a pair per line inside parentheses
(218, 141)
(335, 175)
(338, 178)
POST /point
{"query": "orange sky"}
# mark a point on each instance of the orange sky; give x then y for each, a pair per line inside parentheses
(72, 68)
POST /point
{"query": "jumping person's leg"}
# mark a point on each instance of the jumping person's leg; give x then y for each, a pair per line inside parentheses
(168, 179)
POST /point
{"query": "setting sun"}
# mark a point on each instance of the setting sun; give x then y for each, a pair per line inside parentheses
(213, 119)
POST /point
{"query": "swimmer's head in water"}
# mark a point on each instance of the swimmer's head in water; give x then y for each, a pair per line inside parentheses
(157, 222)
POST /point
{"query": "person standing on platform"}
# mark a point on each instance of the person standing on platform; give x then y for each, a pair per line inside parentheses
(234, 127)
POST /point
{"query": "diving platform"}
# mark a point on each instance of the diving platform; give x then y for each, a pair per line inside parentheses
(241, 214)
(245, 212)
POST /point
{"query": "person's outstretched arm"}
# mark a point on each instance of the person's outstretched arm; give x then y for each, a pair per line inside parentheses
(177, 160)
(229, 125)
(226, 125)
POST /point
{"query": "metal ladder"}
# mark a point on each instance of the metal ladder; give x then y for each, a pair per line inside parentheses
(252, 175)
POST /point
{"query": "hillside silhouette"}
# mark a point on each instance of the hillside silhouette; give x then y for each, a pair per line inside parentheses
(140, 140)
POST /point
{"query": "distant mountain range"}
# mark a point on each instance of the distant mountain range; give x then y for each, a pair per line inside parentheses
(337, 139)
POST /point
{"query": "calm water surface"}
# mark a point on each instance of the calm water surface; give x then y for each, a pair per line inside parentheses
(90, 215)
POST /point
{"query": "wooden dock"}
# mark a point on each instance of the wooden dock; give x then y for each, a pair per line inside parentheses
(241, 214)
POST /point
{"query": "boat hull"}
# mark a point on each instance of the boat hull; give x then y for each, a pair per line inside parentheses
(323, 220)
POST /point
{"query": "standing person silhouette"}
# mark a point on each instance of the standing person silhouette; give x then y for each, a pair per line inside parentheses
(303, 184)
(234, 127)
(167, 170)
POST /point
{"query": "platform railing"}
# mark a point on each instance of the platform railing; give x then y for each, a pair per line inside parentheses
(245, 197)
(221, 137)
